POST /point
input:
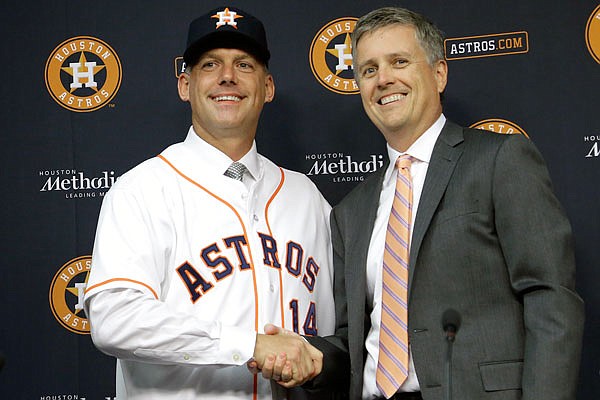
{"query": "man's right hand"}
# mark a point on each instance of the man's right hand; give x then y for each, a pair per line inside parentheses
(285, 357)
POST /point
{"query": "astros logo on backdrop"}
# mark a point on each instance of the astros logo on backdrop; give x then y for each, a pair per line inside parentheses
(499, 126)
(83, 74)
(66, 294)
(592, 34)
(330, 56)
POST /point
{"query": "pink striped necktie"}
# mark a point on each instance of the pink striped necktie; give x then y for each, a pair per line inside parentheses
(392, 367)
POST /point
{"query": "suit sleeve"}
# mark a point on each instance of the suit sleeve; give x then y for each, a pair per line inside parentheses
(335, 375)
(535, 237)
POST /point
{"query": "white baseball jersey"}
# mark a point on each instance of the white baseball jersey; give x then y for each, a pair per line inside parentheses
(189, 264)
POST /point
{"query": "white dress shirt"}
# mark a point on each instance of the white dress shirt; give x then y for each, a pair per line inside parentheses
(421, 151)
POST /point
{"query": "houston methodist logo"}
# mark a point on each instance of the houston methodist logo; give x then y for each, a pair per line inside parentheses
(330, 56)
(66, 294)
(592, 34)
(75, 184)
(499, 126)
(343, 167)
(83, 74)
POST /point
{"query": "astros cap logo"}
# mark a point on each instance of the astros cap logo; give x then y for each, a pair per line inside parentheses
(330, 56)
(499, 126)
(83, 74)
(226, 18)
(592, 34)
(66, 294)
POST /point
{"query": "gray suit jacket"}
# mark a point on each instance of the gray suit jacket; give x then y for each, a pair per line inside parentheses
(491, 241)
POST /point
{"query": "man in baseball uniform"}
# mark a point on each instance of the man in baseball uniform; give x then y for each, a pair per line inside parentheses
(199, 247)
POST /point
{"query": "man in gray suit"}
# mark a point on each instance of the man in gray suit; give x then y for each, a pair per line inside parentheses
(489, 240)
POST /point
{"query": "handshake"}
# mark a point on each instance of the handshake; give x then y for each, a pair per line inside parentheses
(285, 357)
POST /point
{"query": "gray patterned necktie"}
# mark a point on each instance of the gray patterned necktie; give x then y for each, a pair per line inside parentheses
(235, 171)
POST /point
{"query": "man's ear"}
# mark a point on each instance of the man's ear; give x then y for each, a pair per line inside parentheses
(441, 74)
(270, 88)
(183, 86)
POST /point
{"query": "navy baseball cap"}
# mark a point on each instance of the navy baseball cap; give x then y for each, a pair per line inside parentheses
(229, 28)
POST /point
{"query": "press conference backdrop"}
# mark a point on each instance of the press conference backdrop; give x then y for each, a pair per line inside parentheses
(516, 67)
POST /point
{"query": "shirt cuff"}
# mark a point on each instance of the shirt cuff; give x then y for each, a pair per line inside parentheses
(237, 344)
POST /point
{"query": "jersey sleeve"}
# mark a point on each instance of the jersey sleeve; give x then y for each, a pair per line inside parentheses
(128, 246)
(130, 325)
(124, 293)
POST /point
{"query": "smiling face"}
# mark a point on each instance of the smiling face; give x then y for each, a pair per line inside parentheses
(227, 89)
(400, 89)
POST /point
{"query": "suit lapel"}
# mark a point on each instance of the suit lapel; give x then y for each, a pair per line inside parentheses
(444, 157)
(360, 238)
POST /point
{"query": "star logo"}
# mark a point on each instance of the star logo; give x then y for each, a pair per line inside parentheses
(83, 74)
(331, 56)
(226, 17)
(343, 54)
(66, 294)
(83, 70)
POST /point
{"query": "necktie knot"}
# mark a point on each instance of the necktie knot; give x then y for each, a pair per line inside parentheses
(404, 162)
(236, 171)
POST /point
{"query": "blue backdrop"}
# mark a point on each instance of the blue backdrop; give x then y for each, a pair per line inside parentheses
(515, 67)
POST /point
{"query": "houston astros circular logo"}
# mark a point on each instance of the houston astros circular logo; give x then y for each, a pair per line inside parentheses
(592, 34)
(83, 74)
(499, 126)
(330, 56)
(66, 294)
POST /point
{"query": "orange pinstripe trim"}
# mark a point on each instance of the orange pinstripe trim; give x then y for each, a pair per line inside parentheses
(271, 234)
(255, 393)
(273, 198)
(193, 182)
(124, 280)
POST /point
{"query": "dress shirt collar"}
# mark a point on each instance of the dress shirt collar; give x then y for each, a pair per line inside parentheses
(421, 149)
(218, 161)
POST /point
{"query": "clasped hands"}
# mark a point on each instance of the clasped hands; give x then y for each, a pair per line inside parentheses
(285, 357)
